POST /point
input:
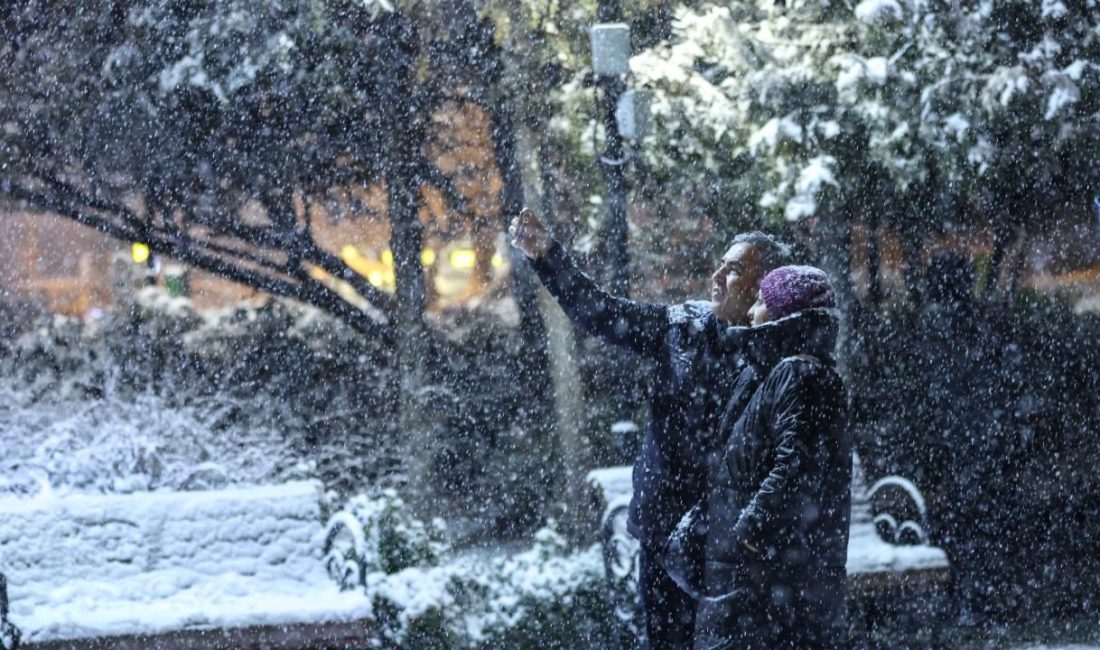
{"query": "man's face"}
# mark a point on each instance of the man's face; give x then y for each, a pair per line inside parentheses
(733, 286)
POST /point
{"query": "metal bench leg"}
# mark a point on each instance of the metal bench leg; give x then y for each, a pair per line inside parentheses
(9, 634)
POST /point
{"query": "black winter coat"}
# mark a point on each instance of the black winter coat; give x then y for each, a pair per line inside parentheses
(781, 483)
(694, 372)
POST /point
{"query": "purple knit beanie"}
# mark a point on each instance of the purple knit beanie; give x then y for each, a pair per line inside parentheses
(788, 289)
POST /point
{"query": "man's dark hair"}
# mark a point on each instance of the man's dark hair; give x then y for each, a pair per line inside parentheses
(773, 253)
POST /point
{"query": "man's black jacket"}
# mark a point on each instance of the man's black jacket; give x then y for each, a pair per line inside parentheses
(694, 372)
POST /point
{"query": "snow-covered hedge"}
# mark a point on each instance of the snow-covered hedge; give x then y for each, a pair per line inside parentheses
(129, 402)
(378, 534)
(158, 395)
(142, 443)
(545, 596)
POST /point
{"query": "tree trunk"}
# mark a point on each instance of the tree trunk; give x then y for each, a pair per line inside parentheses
(412, 339)
(569, 409)
(524, 283)
(910, 250)
(540, 364)
(569, 405)
(1017, 269)
(405, 158)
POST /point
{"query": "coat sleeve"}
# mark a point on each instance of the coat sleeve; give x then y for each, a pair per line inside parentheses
(638, 326)
(792, 425)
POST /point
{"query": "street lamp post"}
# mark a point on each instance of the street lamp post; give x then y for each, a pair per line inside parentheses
(611, 63)
(625, 117)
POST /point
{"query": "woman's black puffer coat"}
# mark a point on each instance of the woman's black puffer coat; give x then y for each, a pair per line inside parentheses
(779, 485)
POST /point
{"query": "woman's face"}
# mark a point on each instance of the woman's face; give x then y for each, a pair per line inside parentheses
(758, 313)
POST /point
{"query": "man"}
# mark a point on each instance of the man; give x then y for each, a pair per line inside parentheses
(693, 377)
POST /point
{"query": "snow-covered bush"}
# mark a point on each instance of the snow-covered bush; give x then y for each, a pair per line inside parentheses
(544, 597)
(162, 396)
(379, 534)
(69, 358)
(17, 317)
(416, 610)
(9, 636)
(145, 442)
(424, 597)
(158, 396)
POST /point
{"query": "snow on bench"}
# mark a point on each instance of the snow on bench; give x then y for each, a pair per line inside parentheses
(92, 566)
(872, 561)
(907, 556)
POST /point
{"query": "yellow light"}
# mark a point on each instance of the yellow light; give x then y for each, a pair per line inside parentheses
(356, 262)
(497, 261)
(376, 278)
(427, 257)
(463, 258)
(139, 252)
(349, 252)
(387, 257)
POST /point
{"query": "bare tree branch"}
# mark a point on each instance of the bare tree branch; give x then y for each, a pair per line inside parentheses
(308, 249)
(305, 289)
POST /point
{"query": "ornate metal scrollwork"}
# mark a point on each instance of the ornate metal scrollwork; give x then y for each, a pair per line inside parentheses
(899, 511)
(9, 634)
(620, 556)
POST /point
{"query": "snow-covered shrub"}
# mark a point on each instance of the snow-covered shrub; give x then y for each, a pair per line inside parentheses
(416, 609)
(158, 396)
(121, 404)
(161, 396)
(378, 534)
(17, 316)
(544, 597)
(134, 348)
(9, 636)
(145, 442)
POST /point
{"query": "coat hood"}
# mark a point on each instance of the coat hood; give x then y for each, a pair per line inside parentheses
(810, 331)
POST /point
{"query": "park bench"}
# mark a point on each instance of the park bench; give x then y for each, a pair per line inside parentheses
(888, 549)
(231, 568)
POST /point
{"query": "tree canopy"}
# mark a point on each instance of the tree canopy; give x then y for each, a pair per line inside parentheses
(210, 130)
(917, 113)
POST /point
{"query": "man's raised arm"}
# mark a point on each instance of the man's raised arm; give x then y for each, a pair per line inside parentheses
(638, 326)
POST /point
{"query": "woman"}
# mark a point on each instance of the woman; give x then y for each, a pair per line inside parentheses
(778, 507)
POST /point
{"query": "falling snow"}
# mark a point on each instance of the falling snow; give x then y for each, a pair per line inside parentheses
(281, 362)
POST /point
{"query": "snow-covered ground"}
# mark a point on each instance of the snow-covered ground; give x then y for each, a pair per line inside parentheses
(83, 566)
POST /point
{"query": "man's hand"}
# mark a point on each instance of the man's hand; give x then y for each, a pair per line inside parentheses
(529, 235)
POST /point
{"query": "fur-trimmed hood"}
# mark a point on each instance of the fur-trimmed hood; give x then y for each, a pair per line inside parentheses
(810, 331)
